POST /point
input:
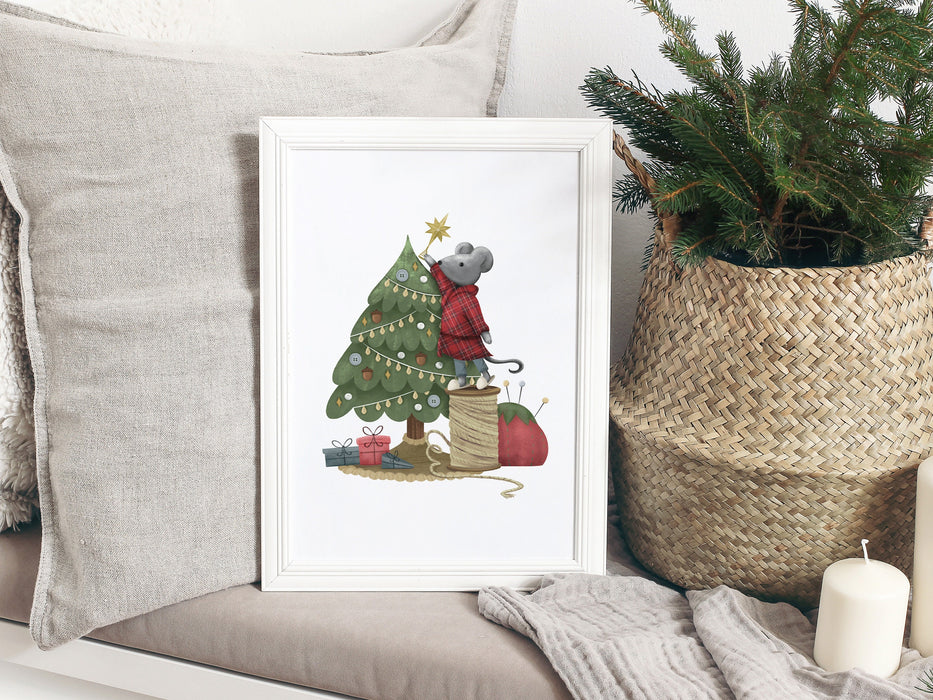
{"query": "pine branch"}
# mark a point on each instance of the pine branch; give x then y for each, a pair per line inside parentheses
(790, 157)
(629, 195)
(665, 201)
(843, 52)
(690, 125)
(683, 50)
(730, 58)
(638, 108)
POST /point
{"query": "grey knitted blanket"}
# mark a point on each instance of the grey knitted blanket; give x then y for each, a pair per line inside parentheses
(628, 635)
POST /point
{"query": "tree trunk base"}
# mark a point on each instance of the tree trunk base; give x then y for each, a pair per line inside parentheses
(415, 429)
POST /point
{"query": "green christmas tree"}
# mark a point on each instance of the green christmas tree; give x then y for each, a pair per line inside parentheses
(791, 162)
(390, 367)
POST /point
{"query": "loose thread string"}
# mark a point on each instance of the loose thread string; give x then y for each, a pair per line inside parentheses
(508, 493)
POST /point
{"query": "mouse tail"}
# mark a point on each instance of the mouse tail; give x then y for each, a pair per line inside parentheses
(519, 364)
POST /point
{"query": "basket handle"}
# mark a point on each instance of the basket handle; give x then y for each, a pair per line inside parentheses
(670, 224)
(926, 228)
(638, 170)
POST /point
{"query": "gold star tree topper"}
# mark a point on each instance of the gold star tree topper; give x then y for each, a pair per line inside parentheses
(438, 231)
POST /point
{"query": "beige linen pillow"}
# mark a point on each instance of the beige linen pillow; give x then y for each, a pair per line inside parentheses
(19, 492)
(133, 166)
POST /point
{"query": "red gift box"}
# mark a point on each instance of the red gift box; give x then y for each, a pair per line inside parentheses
(372, 446)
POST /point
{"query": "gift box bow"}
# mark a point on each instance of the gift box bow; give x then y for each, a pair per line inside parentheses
(344, 447)
(374, 438)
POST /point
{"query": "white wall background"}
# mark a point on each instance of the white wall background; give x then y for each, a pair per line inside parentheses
(555, 42)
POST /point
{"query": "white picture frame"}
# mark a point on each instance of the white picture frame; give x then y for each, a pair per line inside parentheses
(337, 197)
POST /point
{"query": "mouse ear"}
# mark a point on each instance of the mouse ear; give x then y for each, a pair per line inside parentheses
(486, 256)
(463, 248)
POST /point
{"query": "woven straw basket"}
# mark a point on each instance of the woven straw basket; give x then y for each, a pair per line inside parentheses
(765, 420)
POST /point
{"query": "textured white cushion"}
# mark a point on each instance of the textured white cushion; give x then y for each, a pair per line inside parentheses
(19, 494)
(133, 166)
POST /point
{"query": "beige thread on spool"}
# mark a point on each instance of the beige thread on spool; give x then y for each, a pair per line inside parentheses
(474, 436)
(474, 429)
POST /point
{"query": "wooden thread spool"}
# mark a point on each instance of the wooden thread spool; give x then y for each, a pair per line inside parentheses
(474, 429)
(474, 437)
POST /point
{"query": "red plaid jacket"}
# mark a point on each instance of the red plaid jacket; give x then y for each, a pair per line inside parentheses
(462, 320)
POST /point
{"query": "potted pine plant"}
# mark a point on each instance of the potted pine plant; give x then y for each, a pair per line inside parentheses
(776, 395)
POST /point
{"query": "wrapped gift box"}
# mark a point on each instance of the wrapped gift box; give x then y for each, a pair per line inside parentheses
(341, 455)
(372, 446)
(392, 461)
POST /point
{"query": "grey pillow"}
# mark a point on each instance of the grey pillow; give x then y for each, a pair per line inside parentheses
(19, 492)
(133, 166)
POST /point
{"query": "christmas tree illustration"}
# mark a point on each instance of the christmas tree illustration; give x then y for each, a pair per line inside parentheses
(391, 368)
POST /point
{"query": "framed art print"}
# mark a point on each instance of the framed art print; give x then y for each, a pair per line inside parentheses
(434, 343)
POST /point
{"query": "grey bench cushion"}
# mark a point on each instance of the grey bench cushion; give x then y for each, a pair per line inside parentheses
(370, 645)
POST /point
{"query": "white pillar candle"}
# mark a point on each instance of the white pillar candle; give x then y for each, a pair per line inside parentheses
(921, 616)
(863, 610)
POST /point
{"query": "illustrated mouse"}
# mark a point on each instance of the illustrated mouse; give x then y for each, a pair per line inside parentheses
(463, 328)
